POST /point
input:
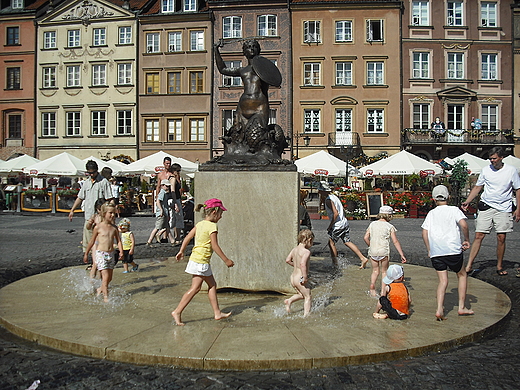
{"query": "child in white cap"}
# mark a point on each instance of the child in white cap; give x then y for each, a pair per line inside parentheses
(378, 237)
(395, 300)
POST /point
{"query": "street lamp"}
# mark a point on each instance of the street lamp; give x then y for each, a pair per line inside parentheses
(306, 140)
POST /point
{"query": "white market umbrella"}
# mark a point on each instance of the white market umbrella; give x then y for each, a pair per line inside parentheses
(512, 160)
(114, 165)
(153, 164)
(475, 164)
(402, 163)
(17, 164)
(63, 164)
(324, 164)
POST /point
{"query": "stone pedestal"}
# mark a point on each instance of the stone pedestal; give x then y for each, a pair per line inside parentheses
(258, 230)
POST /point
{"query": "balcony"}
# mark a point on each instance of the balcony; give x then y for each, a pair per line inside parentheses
(473, 137)
(344, 138)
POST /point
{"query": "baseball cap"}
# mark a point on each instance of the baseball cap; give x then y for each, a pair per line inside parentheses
(324, 186)
(124, 222)
(214, 202)
(394, 272)
(440, 192)
(165, 182)
(386, 210)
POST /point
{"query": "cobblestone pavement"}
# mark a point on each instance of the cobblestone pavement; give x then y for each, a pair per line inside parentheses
(34, 244)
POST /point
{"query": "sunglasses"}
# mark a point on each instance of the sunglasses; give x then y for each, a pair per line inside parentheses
(90, 173)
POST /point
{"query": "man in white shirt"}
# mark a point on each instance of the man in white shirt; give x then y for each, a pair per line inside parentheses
(495, 206)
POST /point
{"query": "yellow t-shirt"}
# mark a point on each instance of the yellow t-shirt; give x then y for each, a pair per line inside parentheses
(126, 240)
(202, 249)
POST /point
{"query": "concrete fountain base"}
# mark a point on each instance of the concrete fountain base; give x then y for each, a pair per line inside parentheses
(57, 309)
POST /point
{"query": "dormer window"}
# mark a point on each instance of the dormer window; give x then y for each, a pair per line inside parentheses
(17, 4)
(190, 5)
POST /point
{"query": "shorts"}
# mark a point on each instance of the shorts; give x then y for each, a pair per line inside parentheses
(502, 221)
(194, 268)
(127, 257)
(161, 222)
(177, 219)
(454, 262)
(392, 313)
(105, 260)
(342, 233)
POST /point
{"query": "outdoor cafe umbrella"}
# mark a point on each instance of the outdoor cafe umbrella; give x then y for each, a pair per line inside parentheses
(512, 160)
(153, 164)
(63, 164)
(324, 164)
(114, 165)
(402, 163)
(475, 164)
(17, 164)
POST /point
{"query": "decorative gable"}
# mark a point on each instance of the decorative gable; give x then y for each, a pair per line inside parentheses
(457, 94)
(85, 12)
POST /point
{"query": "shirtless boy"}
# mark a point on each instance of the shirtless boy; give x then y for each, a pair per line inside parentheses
(299, 258)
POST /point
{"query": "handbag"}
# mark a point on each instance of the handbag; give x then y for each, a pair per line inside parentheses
(482, 206)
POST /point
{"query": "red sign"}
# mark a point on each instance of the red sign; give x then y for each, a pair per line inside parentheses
(322, 172)
(159, 169)
(369, 172)
(33, 172)
(427, 172)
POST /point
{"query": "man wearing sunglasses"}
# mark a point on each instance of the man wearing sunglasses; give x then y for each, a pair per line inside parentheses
(94, 188)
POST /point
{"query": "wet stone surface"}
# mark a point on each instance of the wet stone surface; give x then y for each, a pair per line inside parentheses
(35, 244)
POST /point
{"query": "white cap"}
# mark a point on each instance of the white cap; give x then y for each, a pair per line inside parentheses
(394, 272)
(440, 192)
(386, 210)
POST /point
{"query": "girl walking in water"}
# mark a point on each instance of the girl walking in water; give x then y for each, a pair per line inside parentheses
(206, 242)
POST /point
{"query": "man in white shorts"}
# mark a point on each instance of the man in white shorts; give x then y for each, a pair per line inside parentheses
(495, 205)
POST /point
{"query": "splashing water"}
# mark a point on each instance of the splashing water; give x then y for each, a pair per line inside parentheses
(78, 285)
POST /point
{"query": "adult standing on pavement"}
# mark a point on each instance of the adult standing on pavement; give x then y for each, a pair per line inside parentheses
(96, 188)
(164, 174)
(176, 217)
(495, 205)
(339, 227)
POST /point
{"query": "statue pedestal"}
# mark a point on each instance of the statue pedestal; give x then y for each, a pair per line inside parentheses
(258, 230)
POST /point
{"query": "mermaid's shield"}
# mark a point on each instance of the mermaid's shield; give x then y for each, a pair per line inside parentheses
(267, 71)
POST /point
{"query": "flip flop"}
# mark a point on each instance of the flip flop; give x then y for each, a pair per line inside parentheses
(518, 273)
(501, 272)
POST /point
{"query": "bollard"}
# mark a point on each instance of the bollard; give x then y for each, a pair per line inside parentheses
(54, 200)
(19, 188)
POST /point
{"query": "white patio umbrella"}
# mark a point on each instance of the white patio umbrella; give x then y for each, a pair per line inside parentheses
(514, 161)
(63, 164)
(153, 164)
(116, 166)
(475, 164)
(324, 164)
(17, 164)
(402, 163)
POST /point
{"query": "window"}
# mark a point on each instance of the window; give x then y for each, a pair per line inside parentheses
(344, 73)
(454, 13)
(489, 67)
(73, 76)
(489, 117)
(311, 31)
(174, 130)
(421, 116)
(196, 82)
(152, 130)
(124, 74)
(229, 81)
(421, 66)
(228, 117)
(267, 26)
(174, 82)
(152, 43)
(375, 30)
(49, 77)
(455, 116)
(49, 40)
(311, 73)
(99, 122)
(13, 78)
(455, 65)
(196, 40)
(232, 26)
(197, 130)
(420, 13)
(344, 31)
(99, 72)
(375, 121)
(168, 6)
(15, 125)
(124, 122)
(488, 13)
(13, 35)
(99, 37)
(17, 4)
(152, 83)
(73, 38)
(73, 123)
(190, 5)
(312, 122)
(343, 119)
(174, 41)
(375, 73)
(125, 35)
(48, 124)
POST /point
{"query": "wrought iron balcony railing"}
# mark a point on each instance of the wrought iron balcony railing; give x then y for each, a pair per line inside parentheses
(449, 136)
(344, 138)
